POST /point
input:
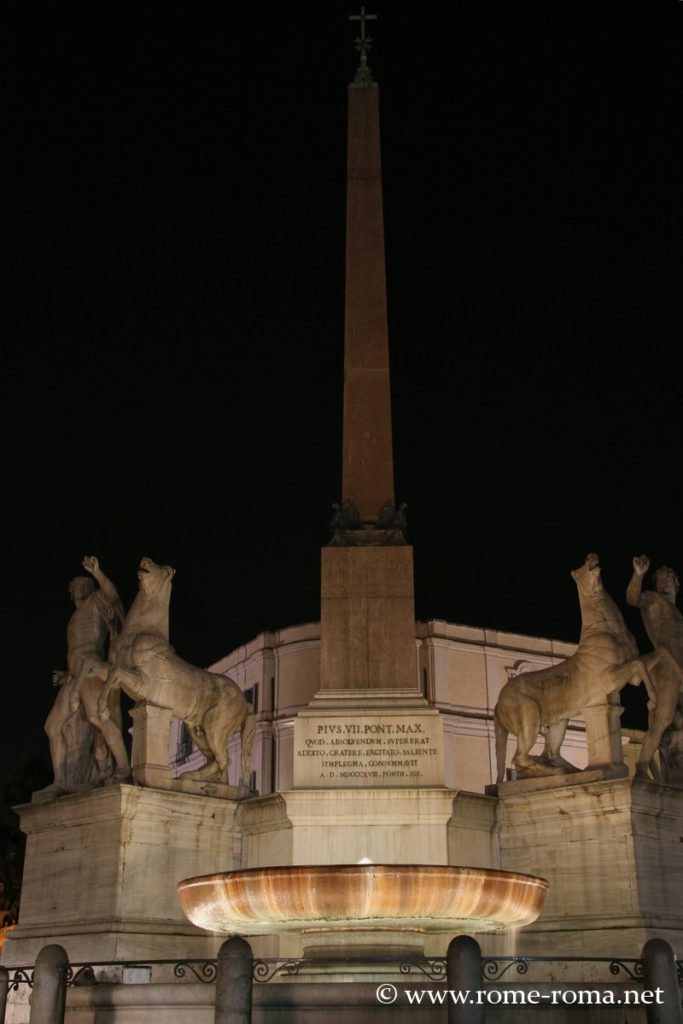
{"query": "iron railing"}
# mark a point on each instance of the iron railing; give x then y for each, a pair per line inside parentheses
(265, 969)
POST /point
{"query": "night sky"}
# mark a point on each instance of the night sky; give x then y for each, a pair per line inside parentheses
(173, 309)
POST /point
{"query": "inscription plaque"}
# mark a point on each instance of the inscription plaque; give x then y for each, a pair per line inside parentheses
(365, 750)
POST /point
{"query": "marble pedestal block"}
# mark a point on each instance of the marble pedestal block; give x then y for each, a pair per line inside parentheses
(603, 734)
(369, 724)
(612, 852)
(101, 871)
(368, 619)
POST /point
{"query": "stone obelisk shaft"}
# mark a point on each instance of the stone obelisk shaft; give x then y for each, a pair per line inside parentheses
(367, 605)
(368, 474)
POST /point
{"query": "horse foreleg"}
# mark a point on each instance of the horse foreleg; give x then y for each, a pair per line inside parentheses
(128, 680)
(118, 679)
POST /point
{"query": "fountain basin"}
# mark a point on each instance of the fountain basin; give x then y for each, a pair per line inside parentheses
(348, 897)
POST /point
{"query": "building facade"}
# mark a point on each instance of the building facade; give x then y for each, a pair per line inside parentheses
(461, 671)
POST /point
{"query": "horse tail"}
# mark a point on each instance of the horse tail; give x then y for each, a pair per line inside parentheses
(501, 746)
(247, 737)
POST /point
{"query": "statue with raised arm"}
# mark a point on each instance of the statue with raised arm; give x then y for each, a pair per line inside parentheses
(605, 661)
(147, 668)
(85, 749)
(664, 626)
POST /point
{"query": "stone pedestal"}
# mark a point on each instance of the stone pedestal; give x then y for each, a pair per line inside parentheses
(572, 780)
(102, 867)
(613, 856)
(603, 733)
(151, 736)
(368, 619)
(369, 724)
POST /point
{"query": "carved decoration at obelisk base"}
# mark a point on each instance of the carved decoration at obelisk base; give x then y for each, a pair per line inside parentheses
(587, 682)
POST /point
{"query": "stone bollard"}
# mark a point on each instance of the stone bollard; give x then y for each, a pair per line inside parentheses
(234, 982)
(48, 999)
(661, 974)
(464, 972)
(4, 986)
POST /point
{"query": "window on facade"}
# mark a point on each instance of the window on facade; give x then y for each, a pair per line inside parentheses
(185, 744)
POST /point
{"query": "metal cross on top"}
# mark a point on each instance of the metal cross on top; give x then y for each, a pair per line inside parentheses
(363, 44)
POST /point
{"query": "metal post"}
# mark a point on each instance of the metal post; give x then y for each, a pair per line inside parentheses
(4, 985)
(662, 979)
(234, 982)
(464, 973)
(48, 999)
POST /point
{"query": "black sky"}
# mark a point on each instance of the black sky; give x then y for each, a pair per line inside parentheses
(173, 309)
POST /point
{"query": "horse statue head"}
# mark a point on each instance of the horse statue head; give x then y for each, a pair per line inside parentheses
(154, 579)
(588, 576)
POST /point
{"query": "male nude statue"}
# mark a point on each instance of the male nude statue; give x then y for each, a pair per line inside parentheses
(664, 626)
(98, 615)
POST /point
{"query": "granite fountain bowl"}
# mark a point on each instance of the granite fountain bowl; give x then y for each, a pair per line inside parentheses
(348, 897)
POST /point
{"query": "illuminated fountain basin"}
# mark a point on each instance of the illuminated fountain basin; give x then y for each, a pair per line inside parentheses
(362, 898)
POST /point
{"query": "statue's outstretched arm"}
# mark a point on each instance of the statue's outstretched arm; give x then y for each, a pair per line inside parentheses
(641, 563)
(91, 565)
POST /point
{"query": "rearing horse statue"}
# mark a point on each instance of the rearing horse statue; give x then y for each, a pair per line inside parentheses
(604, 662)
(146, 667)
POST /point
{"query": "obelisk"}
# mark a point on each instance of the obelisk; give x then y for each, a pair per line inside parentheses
(368, 465)
(369, 724)
(367, 602)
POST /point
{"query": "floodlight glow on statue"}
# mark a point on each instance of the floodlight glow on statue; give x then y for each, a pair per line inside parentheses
(141, 662)
(87, 749)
